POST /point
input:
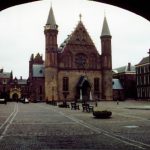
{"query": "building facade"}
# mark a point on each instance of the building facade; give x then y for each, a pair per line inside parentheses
(143, 78)
(13, 89)
(127, 77)
(75, 70)
(5, 80)
(36, 78)
(118, 91)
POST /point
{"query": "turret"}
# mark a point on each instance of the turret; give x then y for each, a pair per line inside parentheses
(30, 65)
(106, 61)
(51, 31)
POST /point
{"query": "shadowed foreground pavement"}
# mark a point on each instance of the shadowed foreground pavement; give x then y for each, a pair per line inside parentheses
(41, 126)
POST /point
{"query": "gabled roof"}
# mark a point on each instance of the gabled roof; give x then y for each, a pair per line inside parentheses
(124, 69)
(22, 81)
(145, 60)
(79, 36)
(5, 75)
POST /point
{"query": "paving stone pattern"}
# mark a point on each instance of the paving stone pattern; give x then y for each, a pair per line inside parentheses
(38, 126)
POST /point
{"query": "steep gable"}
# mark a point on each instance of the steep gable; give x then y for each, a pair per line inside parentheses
(79, 37)
(79, 50)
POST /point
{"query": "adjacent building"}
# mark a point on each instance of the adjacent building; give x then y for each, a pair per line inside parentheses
(36, 78)
(19, 89)
(11, 88)
(127, 77)
(143, 78)
(5, 80)
(118, 91)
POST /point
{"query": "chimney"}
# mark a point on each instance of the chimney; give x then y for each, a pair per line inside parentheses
(1, 70)
(129, 67)
(20, 77)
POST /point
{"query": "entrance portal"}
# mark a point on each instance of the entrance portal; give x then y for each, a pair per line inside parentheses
(15, 97)
(83, 89)
(15, 94)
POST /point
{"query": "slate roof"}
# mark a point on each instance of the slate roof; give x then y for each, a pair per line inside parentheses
(5, 75)
(124, 69)
(38, 70)
(145, 60)
(51, 23)
(22, 81)
(105, 28)
(51, 18)
(79, 36)
(117, 84)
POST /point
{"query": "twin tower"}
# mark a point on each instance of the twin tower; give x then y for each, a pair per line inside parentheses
(75, 70)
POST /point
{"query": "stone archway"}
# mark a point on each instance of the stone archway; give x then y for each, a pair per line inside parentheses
(15, 94)
(15, 97)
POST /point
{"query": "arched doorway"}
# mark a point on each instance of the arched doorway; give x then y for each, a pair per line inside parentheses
(15, 97)
(15, 94)
(83, 89)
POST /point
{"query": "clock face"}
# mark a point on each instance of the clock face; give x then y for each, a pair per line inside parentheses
(80, 60)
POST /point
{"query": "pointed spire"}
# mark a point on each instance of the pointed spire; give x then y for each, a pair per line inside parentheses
(51, 23)
(32, 57)
(11, 74)
(105, 29)
(80, 16)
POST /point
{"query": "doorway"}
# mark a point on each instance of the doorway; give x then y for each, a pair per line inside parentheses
(83, 89)
(15, 97)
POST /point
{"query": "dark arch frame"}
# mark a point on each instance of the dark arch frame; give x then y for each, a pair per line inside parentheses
(140, 7)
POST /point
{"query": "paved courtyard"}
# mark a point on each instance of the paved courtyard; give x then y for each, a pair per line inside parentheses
(45, 127)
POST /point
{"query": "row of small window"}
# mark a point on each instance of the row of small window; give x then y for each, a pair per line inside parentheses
(143, 80)
(66, 84)
(143, 69)
(143, 92)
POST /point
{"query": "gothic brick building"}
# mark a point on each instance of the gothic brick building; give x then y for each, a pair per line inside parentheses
(127, 76)
(36, 78)
(13, 89)
(76, 70)
(143, 78)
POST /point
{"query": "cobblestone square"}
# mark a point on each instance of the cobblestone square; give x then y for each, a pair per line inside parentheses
(41, 126)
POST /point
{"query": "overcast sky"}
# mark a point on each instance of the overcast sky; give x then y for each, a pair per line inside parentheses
(22, 26)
